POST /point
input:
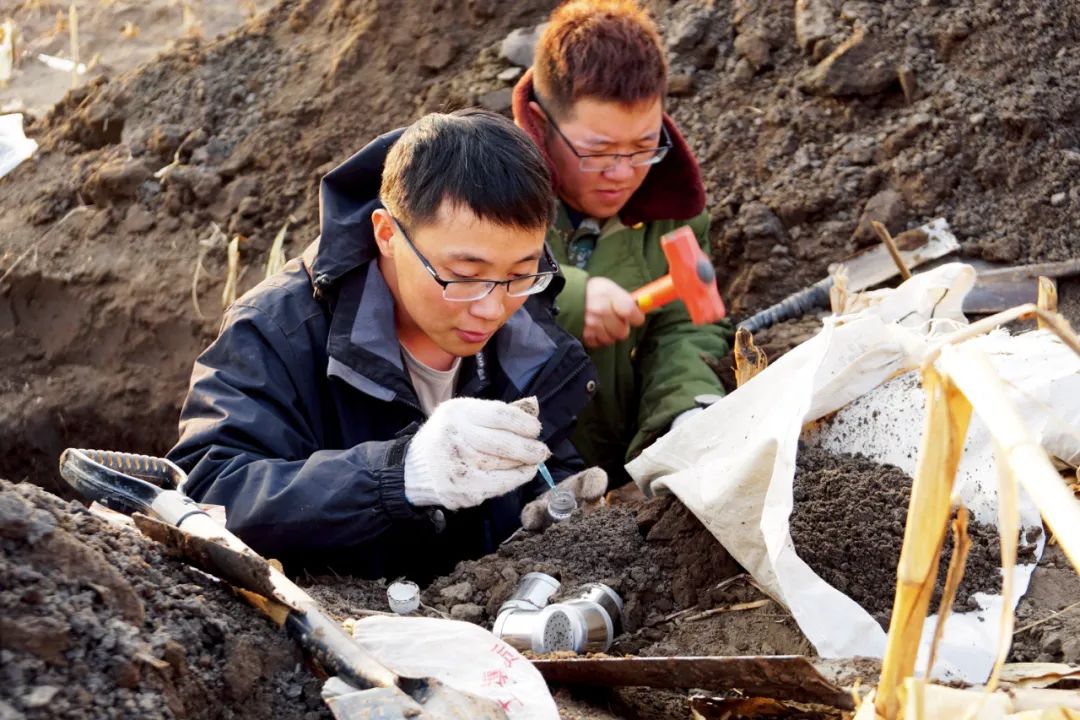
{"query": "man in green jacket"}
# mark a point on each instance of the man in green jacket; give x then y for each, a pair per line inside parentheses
(594, 103)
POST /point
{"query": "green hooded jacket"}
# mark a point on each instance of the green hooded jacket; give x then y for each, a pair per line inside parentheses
(648, 379)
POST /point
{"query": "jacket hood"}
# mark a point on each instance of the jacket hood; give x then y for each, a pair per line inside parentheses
(673, 189)
(347, 196)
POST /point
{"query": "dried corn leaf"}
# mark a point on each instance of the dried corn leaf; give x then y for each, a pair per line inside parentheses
(961, 547)
(232, 274)
(1008, 530)
(749, 358)
(973, 373)
(276, 258)
(947, 417)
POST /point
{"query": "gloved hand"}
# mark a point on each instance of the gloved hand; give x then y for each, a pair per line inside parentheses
(470, 450)
(589, 485)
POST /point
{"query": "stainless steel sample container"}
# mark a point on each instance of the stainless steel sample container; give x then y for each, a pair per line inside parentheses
(605, 596)
(532, 593)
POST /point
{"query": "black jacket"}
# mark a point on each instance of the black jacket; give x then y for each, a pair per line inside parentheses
(299, 415)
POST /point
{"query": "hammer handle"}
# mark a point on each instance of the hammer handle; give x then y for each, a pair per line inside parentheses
(793, 306)
(659, 292)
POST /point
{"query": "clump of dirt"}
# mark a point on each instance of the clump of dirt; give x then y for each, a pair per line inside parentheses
(848, 526)
(656, 555)
(96, 621)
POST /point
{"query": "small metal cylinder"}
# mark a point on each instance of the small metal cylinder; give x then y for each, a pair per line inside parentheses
(605, 597)
(516, 627)
(532, 593)
(580, 626)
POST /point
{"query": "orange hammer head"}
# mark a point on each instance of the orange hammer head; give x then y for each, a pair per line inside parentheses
(690, 278)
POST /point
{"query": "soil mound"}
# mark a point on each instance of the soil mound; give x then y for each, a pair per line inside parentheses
(656, 555)
(848, 526)
(96, 621)
(807, 124)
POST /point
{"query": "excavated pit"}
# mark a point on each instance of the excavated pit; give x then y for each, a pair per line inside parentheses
(98, 329)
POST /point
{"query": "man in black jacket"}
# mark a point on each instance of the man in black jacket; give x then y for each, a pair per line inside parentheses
(380, 407)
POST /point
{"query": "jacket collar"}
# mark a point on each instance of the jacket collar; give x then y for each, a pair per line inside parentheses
(673, 189)
(347, 196)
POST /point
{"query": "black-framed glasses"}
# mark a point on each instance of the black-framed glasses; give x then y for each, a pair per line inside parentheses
(602, 162)
(474, 289)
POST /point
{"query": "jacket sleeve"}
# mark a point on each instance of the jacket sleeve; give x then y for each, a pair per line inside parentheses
(671, 362)
(249, 440)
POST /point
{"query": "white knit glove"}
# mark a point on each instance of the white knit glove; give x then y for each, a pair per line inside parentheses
(470, 450)
(588, 486)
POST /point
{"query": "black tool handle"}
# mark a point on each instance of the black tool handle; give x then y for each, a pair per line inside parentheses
(95, 475)
(158, 471)
(812, 298)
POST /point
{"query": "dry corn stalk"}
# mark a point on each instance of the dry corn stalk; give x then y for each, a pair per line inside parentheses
(232, 274)
(890, 245)
(965, 383)
(216, 239)
(276, 258)
(1047, 299)
(976, 377)
(749, 358)
(961, 547)
(838, 293)
(947, 416)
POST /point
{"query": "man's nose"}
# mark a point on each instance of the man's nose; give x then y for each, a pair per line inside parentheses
(489, 307)
(621, 170)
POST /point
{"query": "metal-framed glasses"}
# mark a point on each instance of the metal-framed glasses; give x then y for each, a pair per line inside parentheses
(474, 289)
(602, 162)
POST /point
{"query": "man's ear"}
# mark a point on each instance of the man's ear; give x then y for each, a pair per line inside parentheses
(538, 117)
(383, 227)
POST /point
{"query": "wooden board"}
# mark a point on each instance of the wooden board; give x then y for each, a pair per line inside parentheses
(783, 677)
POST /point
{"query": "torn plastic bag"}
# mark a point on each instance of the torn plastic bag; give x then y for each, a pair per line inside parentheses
(14, 145)
(463, 656)
(733, 465)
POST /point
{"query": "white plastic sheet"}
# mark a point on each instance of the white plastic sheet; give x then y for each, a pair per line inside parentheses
(733, 465)
(14, 145)
(463, 656)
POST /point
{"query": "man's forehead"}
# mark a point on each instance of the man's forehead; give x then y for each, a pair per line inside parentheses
(600, 121)
(458, 233)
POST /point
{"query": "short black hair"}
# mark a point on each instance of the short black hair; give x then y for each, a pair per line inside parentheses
(471, 158)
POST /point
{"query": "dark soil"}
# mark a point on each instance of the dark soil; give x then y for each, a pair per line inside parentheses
(97, 622)
(848, 526)
(669, 570)
(1044, 633)
(97, 327)
(658, 557)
